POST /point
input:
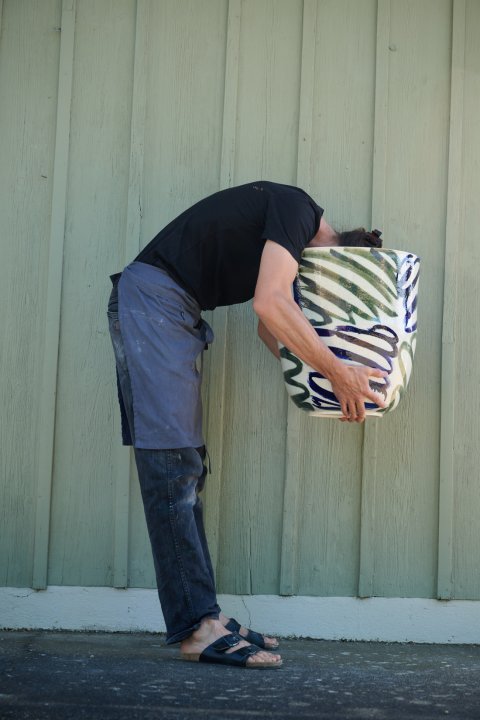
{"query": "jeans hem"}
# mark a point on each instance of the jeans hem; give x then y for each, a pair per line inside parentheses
(183, 634)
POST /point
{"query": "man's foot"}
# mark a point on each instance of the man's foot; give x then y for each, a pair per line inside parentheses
(269, 643)
(211, 630)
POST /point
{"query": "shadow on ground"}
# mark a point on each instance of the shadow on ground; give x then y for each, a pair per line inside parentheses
(118, 676)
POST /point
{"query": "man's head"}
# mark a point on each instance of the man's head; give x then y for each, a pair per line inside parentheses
(328, 237)
(360, 238)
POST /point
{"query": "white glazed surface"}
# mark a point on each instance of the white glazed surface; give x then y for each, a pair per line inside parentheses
(362, 303)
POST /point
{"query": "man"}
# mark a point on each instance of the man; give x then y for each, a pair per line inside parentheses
(241, 243)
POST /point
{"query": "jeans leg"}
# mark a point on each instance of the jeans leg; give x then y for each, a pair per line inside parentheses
(170, 481)
(169, 484)
(198, 513)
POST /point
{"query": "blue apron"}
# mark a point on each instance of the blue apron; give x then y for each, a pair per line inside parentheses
(163, 336)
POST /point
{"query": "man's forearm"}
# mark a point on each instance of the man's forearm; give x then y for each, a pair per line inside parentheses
(268, 339)
(277, 310)
(284, 320)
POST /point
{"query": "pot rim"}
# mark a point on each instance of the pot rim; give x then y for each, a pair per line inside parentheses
(366, 250)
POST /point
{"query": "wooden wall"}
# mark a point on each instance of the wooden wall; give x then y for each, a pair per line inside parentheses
(116, 115)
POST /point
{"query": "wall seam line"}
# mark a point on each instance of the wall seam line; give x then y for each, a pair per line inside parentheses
(453, 232)
(131, 248)
(289, 545)
(48, 393)
(217, 359)
(1, 16)
(379, 174)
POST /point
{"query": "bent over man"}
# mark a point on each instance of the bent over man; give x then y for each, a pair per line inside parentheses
(238, 244)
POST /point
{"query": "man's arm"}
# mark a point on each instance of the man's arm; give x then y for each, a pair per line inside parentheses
(269, 340)
(281, 316)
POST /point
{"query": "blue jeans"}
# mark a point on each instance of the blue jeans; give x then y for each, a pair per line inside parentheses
(170, 483)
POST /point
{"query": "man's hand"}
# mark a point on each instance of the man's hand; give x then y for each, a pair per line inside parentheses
(351, 388)
(283, 319)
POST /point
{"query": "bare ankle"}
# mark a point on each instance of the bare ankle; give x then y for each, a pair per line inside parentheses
(207, 626)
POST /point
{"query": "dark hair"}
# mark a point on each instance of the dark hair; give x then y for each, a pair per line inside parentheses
(360, 238)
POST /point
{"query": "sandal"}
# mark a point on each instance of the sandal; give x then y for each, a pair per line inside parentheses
(252, 637)
(216, 653)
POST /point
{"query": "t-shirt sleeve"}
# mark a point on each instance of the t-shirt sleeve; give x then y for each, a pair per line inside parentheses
(291, 221)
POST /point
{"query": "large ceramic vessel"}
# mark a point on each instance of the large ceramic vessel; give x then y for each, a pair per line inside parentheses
(362, 302)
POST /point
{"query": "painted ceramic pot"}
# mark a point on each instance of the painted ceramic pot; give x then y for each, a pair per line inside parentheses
(362, 302)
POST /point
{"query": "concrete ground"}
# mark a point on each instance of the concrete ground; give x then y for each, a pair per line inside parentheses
(137, 677)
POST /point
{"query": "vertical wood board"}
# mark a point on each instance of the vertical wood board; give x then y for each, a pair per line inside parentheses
(47, 408)
(453, 242)
(340, 180)
(213, 362)
(29, 55)
(291, 489)
(406, 499)
(82, 534)
(124, 456)
(466, 532)
(341, 161)
(185, 86)
(255, 402)
(171, 101)
(379, 177)
(184, 91)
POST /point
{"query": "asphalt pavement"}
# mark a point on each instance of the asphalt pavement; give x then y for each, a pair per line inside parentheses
(119, 676)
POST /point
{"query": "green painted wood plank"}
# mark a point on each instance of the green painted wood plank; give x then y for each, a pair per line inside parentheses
(255, 398)
(380, 140)
(341, 162)
(229, 125)
(379, 182)
(253, 465)
(83, 523)
(329, 473)
(316, 551)
(214, 380)
(466, 528)
(137, 143)
(329, 502)
(449, 340)
(288, 566)
(265, 120)
(132, 246)
(46, 416)
(406, 494)
(29, 58)
(185, 95)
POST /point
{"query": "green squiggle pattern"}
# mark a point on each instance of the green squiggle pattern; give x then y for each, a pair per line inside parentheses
(342, 291)
(301, 398)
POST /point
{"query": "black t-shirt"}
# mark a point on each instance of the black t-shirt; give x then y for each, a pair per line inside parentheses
(214, 248)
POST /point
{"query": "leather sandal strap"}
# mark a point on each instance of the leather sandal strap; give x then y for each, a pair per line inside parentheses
(255, 638)
(215, 653)
(252, 637)
(225, 642)
(233, 625)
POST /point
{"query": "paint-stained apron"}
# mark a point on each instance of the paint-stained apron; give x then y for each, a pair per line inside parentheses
(164, 336)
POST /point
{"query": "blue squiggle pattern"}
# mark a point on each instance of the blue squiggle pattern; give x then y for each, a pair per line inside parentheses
(363, 304)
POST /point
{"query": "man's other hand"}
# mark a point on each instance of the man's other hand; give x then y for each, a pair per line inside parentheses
(352, 388)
